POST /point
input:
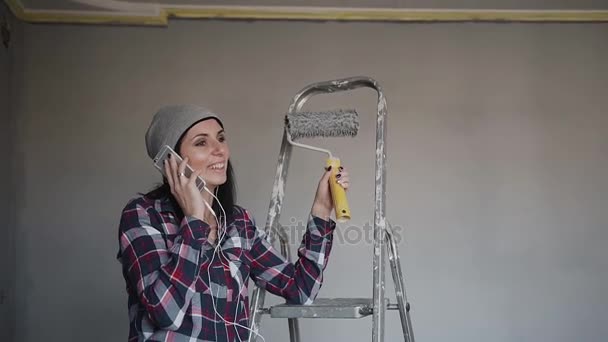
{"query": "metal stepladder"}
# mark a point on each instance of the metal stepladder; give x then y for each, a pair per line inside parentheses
(384, 241)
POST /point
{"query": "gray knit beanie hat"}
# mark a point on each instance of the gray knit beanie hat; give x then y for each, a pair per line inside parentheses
(171, 122)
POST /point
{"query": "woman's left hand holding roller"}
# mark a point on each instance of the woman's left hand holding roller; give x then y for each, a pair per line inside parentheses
(323, 203)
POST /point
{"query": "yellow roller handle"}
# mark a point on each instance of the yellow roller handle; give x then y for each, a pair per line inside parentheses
(337, 192)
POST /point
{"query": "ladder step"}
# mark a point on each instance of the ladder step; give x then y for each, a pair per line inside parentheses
(326, 308)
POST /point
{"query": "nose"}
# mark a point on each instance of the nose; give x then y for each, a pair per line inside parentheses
(218, 148)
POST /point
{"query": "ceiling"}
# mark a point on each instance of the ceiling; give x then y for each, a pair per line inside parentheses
(158, 12)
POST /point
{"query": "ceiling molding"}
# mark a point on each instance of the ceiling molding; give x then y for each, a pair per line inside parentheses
(157, 15)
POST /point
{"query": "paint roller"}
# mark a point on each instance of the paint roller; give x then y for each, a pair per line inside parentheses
(338, 123)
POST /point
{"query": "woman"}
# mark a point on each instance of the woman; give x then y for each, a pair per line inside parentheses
(187, 267)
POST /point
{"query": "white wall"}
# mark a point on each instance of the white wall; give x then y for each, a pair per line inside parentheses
(496, 152)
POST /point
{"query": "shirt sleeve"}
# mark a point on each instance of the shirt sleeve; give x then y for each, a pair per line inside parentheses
(298, 283)
(163, 278)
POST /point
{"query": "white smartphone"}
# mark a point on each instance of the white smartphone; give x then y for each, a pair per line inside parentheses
(163, 154)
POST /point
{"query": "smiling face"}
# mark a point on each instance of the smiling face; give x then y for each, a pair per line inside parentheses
(206, 148)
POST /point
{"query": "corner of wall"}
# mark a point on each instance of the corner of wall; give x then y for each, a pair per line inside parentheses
(10, 47)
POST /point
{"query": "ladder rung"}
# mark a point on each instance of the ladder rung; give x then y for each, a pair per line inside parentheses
(326, 308)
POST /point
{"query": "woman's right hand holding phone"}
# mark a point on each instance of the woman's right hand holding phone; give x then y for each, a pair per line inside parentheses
(184, 188)
(186, 192)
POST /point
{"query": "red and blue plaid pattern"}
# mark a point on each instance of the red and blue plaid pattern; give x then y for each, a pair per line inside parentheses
(173, 283)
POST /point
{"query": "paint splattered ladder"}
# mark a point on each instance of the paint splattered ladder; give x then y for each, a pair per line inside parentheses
(384, 241)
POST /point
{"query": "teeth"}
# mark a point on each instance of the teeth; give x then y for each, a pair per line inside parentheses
(217, 166)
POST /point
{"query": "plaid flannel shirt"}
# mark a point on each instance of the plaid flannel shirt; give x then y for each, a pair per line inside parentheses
(173, 278)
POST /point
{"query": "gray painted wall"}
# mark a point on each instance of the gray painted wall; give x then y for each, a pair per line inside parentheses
(7, 199)
(496, 152)
(4, 227)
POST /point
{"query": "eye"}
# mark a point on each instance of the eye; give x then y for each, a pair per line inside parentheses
(221, 138)
(201, 142)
